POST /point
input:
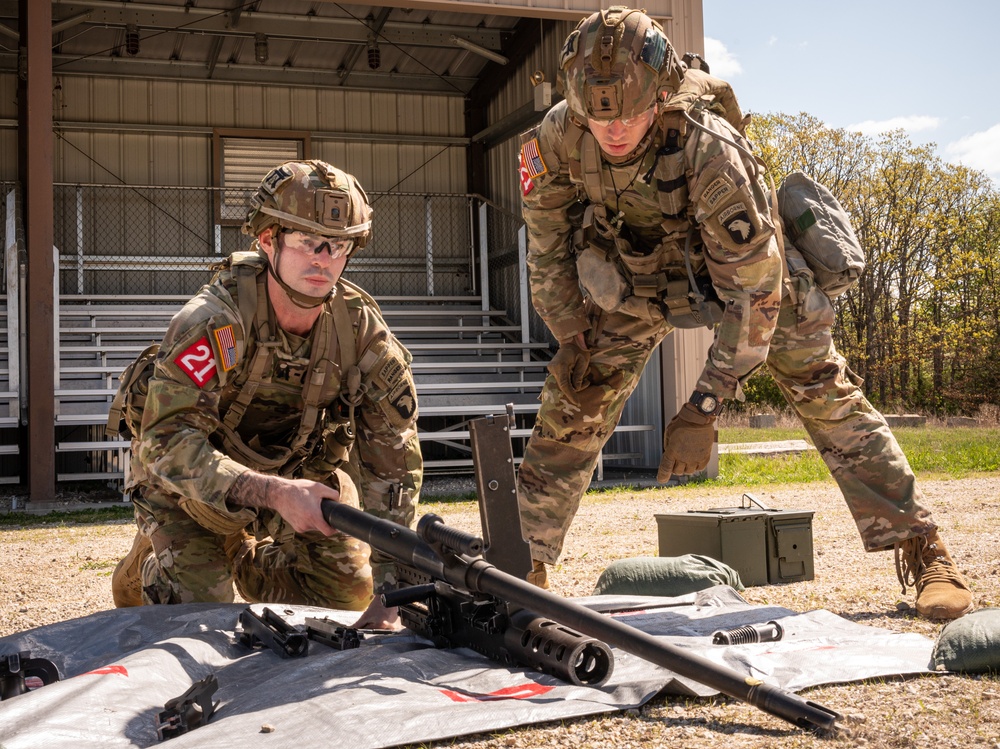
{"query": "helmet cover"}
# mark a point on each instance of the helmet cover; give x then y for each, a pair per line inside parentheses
(615, 63)
(312, 197)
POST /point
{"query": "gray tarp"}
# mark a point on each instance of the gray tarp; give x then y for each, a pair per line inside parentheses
(119, 668)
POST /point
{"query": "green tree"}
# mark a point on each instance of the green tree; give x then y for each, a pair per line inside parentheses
(922, 326)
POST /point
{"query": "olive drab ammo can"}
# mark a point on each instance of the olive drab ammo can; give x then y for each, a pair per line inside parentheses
(766, 546)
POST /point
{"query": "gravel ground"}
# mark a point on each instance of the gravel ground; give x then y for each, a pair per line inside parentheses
(52, 574)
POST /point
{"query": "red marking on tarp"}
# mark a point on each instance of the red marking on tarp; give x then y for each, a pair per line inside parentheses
(108, 670)
(519, 692)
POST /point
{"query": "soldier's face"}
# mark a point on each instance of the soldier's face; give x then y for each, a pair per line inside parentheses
(300, 266)
(620, 136)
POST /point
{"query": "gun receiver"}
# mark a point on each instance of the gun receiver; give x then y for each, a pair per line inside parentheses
(270, 630)
(439, 561)
(337, 636)
(189, 711)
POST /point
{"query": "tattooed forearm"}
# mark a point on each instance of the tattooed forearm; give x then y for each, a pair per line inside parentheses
(250, 490)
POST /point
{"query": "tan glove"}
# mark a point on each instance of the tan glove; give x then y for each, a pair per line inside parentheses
(569, 367)
(687, 443)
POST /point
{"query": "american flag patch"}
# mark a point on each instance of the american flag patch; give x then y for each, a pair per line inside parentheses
(227, 346)
(531, 159)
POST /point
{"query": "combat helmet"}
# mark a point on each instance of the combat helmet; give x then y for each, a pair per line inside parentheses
(615, 64)
(312, 197)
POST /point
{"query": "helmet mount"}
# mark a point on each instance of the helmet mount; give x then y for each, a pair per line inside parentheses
(616, 64)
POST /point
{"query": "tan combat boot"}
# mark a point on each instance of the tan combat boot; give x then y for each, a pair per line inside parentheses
(539, 575)
(924, 563)
(126, 580)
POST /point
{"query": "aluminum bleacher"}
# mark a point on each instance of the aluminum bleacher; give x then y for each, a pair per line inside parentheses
(468, 363)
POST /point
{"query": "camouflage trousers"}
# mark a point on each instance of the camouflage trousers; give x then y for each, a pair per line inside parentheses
(851, 436)
(268, 562)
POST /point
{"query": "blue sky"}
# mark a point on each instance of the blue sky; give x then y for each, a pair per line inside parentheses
(930, 68)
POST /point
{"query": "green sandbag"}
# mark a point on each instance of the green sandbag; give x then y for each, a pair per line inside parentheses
(970, 643)
(665, 576)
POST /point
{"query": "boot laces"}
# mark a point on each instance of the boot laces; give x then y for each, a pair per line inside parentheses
(919, 563)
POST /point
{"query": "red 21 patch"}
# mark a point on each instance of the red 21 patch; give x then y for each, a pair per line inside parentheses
(198, 361)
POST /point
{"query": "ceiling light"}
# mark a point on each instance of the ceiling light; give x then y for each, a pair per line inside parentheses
(132, 39)
(260, 51)
(374, 53)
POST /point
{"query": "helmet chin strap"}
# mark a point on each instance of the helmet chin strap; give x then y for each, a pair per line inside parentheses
(303, 301)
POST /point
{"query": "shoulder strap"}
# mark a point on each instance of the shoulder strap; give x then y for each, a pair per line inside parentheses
(590, 168)
(255, 314)
(350, 387)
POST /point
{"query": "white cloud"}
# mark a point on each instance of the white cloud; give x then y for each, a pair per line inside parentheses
(978, 151)
(720, 60)
(913, 124)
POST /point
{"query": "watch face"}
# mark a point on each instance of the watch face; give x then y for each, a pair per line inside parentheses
(708, 403)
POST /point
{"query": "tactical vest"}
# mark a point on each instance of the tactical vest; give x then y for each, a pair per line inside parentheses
(324, 436)
(671, 273)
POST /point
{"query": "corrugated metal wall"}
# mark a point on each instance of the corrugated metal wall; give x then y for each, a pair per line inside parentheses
(159, 132)
(8, 130)
(502, 159)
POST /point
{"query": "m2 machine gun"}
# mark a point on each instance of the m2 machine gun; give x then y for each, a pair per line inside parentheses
(448, 593)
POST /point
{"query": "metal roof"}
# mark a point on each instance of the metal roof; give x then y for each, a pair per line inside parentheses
(278, 42)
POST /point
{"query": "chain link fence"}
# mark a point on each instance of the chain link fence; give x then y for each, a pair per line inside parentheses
(506, 278)
(128, 241)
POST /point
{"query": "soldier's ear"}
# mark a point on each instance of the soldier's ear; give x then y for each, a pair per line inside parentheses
(266, 238)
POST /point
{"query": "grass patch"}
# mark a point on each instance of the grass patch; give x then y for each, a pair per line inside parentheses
(119, 511)
(954, 452)
(730, 435)
(754, 470)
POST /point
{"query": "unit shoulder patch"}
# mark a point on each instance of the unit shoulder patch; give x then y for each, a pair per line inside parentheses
(197, 361)
(736, 220)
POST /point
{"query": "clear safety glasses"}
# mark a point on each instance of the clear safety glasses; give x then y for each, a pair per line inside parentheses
(313, 244)
(643, 118)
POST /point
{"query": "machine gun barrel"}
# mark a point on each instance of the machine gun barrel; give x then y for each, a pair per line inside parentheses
(432, 555)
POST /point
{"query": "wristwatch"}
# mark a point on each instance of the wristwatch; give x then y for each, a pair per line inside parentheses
(706, 403)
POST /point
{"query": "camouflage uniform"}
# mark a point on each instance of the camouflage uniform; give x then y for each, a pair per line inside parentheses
(680, 178)
(188, 455)
(712, 184)
(851, 436)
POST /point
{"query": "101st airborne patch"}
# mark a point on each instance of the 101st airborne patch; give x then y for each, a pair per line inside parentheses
(736, 220)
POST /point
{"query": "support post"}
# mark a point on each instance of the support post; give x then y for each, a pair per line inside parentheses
(429, 244)
(484, 260)
(522, 287)
(35, 160)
